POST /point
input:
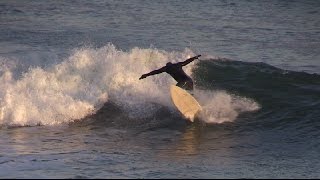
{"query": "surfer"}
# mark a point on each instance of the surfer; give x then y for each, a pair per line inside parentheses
(176, 71)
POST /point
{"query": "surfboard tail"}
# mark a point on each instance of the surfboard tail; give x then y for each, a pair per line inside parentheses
(193, 116)
(190, 117)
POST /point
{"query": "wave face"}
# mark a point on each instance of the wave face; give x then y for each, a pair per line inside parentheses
(288, 99)
(82, 83)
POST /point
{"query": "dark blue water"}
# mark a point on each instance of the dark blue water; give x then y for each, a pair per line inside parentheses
(71, 104)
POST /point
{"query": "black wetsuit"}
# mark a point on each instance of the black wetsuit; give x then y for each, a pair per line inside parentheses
(176, 71)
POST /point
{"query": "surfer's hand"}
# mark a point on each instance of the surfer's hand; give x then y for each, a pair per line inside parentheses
(197, 56)
(143, 76)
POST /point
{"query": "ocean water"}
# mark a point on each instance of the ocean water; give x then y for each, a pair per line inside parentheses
(72, 104)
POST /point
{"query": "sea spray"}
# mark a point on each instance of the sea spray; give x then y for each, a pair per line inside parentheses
(220, 106)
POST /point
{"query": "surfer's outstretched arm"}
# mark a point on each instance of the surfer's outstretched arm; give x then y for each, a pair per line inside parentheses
(158, 71)
(189, 60)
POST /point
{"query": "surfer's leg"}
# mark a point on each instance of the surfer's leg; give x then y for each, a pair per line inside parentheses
(187, 85)
(180, 84)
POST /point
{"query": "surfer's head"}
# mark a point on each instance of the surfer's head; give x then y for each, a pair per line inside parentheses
(169, 64)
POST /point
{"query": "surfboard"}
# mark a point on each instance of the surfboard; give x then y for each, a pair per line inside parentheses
(185, 102)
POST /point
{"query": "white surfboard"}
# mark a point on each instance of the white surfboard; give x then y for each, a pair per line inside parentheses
(185, 102)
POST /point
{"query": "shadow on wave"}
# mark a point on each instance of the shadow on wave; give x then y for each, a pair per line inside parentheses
(112, 115)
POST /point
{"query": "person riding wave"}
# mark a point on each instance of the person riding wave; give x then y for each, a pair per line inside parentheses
(176, 71)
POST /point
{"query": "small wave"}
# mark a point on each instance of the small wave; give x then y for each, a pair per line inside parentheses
(83, 82)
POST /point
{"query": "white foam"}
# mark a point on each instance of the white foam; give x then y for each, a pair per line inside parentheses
(220, 106)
